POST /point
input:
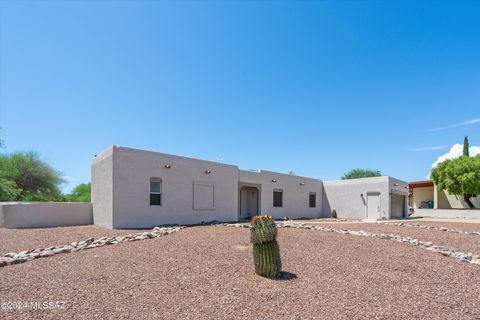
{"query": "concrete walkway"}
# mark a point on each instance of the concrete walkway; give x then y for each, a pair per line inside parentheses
(329, 220)
(447, 213)
(461, 220)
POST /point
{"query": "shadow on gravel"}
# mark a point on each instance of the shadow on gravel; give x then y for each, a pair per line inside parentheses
(286, 276)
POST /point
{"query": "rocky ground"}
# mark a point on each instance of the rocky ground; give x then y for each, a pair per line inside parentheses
(464, 242)
(206, 272)
(23, 239)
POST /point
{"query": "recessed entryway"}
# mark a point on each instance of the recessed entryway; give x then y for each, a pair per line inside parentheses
(248, 202)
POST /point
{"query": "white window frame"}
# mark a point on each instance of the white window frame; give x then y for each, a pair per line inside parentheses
(314, 199)
(155, 180)
(273, 195)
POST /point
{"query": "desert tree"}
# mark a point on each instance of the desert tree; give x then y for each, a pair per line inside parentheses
(37, 180)
(361, 173)
(81, 193)
(459, 176)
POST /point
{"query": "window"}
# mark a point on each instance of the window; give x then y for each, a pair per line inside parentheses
(155, 191)
(277, 198)
(312, 200)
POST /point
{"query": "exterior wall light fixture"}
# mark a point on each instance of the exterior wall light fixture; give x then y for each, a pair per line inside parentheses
(274, 180)
(167, 166)
(302, 183)
(208, 171)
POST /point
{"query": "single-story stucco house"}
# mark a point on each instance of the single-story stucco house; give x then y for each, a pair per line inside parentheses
(134, 188)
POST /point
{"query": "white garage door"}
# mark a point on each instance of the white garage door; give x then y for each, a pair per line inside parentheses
(397, 207)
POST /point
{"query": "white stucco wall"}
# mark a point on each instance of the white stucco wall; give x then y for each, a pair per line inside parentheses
(476, 201)
(102, 188)
(349, 197)
(295, 195)
(133, 169)
(121, 190)
(45, 214)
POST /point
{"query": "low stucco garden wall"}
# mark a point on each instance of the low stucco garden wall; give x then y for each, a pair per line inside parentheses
(45, 214)
(446, 213)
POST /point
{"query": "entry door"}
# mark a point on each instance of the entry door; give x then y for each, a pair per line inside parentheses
(373, 206)
(248, 202)
(253, 202)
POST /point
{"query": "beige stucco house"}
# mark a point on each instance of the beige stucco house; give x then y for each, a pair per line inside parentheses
(134, 188)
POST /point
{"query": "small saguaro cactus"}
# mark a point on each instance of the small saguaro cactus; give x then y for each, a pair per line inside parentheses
(266, 254)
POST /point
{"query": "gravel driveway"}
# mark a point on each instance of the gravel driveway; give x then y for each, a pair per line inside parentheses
(207, 273)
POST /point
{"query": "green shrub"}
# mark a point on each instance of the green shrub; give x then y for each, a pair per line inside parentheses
(334, 214)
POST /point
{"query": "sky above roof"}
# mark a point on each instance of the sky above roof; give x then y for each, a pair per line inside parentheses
(317, 88)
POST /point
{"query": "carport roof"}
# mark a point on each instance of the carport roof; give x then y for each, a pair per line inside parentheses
(421, 184)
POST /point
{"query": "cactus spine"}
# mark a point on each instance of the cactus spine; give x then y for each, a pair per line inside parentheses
(266, 253)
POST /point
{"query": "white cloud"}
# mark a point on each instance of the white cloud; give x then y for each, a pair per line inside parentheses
(465, 123)
(455, 152)
(428, 148)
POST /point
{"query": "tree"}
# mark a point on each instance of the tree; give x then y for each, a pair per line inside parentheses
(2, 145)
(36, 179)
(361, 173)
(466, 153)
(81, 193)
(459, 176)
(9, 191)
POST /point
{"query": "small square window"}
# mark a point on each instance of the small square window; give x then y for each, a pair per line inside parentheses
(277, 198)
(312, 200)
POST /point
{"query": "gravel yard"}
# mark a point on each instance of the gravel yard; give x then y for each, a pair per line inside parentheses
(206, 272)
(465, 242)
(24, 239)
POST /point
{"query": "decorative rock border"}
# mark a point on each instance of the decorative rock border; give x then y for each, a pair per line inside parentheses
(24, 256)
(422, 226)
(449, 252)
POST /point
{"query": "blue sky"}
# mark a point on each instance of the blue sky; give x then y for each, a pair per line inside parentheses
(317, 88)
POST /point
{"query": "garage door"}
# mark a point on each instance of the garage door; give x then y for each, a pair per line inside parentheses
(397, 207)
